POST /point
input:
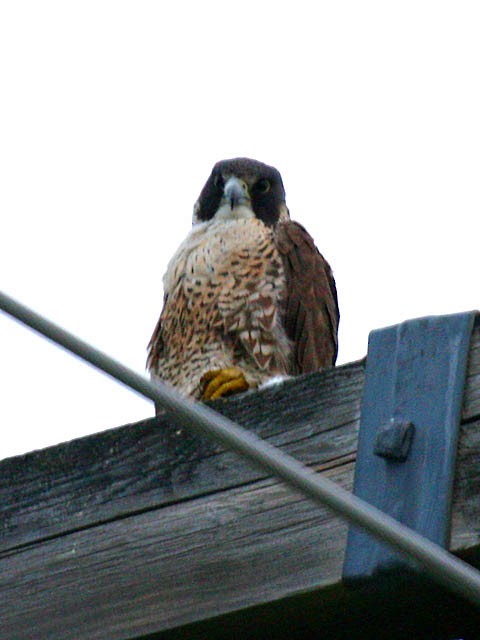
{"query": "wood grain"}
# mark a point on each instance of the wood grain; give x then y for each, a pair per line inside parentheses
(145, 528)
(151, 463)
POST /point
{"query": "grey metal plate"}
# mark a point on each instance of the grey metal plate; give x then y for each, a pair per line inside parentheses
(415, 374)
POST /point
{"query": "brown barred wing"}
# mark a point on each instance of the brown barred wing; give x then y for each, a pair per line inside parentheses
(155, 346)
(311, 313)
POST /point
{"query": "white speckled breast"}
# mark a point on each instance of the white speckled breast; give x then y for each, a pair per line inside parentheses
(224, 286)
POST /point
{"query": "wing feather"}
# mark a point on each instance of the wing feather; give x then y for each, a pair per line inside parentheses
(155, 347)
(311, 313)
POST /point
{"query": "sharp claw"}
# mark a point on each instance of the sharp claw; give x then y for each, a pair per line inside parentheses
(223, 382)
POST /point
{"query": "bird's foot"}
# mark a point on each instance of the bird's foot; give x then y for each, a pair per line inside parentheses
(218, 383)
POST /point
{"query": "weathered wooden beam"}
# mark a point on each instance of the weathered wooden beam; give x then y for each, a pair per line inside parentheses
(143, 529)
(153, 463)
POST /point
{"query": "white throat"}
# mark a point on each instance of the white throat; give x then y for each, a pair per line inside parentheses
(241, 212)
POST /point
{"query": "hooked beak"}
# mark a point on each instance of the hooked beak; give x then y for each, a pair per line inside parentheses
(235, 193)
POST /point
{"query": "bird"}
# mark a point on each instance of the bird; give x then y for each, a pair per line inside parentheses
(247, 295)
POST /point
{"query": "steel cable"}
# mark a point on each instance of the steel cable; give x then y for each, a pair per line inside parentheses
(438, 563)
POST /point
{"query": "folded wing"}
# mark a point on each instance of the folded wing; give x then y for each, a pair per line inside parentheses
(311, 313)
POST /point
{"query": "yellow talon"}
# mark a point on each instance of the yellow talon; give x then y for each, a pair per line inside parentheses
(223, 382)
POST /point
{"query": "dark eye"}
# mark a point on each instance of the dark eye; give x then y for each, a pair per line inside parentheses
(263, 185)
(219, 182)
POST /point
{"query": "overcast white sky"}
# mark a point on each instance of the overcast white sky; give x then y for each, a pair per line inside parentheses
(112, 114)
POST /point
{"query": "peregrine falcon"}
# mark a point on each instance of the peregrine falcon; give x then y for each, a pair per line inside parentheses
(247, 295)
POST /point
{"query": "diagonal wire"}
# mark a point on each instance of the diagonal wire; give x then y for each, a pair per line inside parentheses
(438, 563)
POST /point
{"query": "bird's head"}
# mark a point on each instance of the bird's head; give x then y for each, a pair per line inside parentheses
(242, 188)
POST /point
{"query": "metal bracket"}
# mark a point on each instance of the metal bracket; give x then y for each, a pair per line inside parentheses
(409, 426)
